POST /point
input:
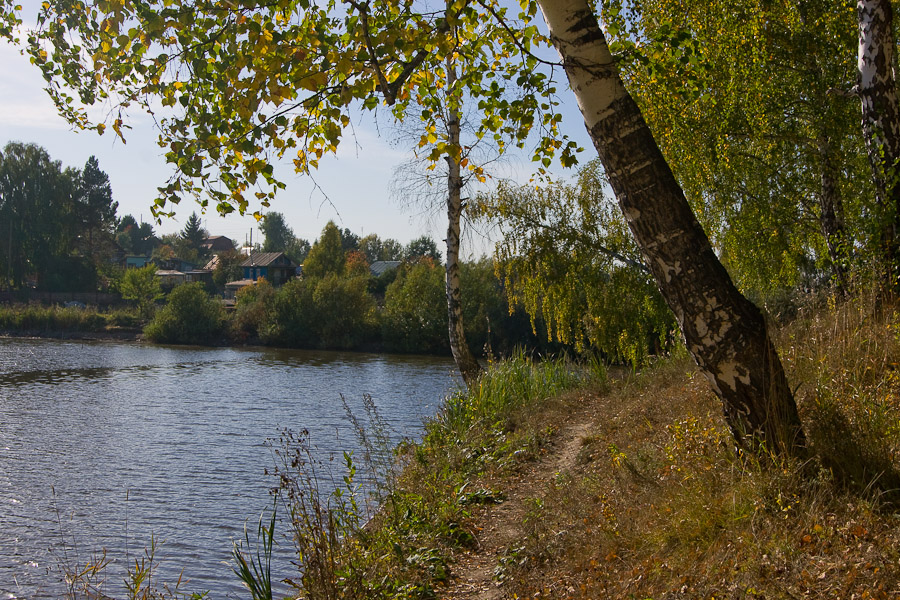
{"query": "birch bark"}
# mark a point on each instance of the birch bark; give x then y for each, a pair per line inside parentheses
(465, 360)
(726, 334)
(877, 88)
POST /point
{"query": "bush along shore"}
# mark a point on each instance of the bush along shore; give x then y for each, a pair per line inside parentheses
(550, 480)
(70, 322)
(330, 313)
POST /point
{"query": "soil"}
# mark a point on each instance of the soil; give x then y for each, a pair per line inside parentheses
(499, 526)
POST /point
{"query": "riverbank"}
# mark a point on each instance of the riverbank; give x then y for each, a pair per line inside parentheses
(633, 488)
(118, 335)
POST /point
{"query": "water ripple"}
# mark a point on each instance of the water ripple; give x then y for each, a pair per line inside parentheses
(109, 445)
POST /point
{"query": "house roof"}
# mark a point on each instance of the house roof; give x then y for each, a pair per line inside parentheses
(214, 240)
(379, 267)
(240, 283)
(264, 259)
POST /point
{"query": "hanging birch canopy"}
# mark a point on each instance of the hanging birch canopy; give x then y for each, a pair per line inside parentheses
(236, 86)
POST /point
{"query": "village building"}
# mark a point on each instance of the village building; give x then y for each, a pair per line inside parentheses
(274, 267)
(217, 243)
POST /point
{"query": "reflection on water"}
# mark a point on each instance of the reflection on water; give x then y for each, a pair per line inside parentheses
(103, 445)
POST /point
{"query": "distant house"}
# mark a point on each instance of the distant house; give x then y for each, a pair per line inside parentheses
(169, 278)
(275, 267)
(217, 243)
(175, 264)
(232, 287)
(136, 262)
(212, 263)
(380, 267)
(201, 275)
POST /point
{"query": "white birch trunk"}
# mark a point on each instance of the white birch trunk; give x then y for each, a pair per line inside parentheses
(726, 334)
(877, 87)
(465, 361)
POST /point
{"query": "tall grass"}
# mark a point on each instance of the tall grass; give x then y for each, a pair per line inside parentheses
(844, 359)
(50, 318)
(514, 383)
(659, 503)
(426, 491)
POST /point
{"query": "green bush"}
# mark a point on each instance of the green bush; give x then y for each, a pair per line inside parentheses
(189, 317)
(415, 310)
(288, 321)
(344, 312)
(123, 318)
(251, 311)
(141, 286)
(333, 312)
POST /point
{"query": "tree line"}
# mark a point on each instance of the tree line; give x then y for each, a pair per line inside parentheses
(57, 222)
(339, 304)
(60, 229)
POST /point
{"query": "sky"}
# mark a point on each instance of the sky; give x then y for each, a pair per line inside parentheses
(353, 189)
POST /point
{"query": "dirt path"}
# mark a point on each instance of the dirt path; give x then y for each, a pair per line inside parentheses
(500, 524)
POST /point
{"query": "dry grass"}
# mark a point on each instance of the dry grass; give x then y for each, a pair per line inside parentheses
(659, 506)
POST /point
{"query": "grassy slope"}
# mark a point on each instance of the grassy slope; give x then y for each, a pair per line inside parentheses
(656, 504)
(647, 500)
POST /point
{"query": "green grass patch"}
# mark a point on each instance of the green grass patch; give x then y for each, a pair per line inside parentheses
(36, 318)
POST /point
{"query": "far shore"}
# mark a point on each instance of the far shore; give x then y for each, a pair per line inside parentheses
(123, 335)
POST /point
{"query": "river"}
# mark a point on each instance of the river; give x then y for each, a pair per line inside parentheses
(107, 445)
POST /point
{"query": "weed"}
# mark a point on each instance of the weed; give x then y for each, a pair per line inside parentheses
(323, 522)
(256, 574)
(36, 318)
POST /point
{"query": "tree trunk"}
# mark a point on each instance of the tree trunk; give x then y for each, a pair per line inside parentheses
(831, 217)
(465, 361)
(877, 89)
(726, 334)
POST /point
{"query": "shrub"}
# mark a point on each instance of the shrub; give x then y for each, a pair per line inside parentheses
(252, 310)
(142, 286)
(288, 321)
(123, 318)
(50, 318)
(332, 312)
(415, 310)
(189, 317)
(344, 312)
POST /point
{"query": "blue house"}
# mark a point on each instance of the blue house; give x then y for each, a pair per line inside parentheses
(136, 262)
(275, 267)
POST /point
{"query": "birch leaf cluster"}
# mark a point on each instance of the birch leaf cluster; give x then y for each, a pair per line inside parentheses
(749, 103)
(566, 256)
(237, 86)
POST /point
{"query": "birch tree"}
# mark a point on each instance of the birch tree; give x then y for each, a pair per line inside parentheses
(726, 334)
(745, 98)
(877, 89)
(566, 256)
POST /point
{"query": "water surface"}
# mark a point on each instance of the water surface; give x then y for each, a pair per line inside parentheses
(103, 445)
